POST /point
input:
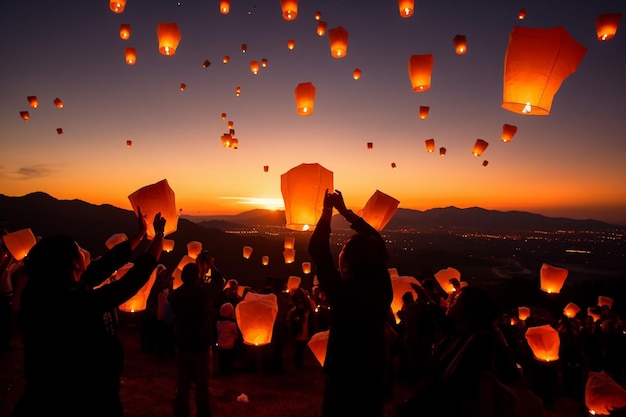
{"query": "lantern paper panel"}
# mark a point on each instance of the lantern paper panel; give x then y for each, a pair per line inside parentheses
(289, 9)
(138, 301)
(606, 25)
(544, 341)
(115, 239)
(430, 145)
(523, 312)
(338, 38)
(305, 98)
(193, 249)
(154, 198)
(536, 63)
(571, 309)
(602, 394)
(444, 276)
(19, 243)
(289, 255)
(605, 301)
(406, 8)
(400, 285)
(32, 101)
(169, 37)
(460, 44)
(306, 267)
(255, 317)
(420, 71)
(552, 278)
(379, 209)
(125, 31)
(303, 189)
(508, 131)
(247, 251)
(293, 283)
(318, 344)
(479, 147)
(117, 6)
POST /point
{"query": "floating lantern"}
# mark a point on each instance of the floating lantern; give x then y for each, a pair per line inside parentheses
(521, 15)
(155, 198)
(265, 260)
(59, 131)
(289, 255)
(570, 310)
(544, 342)
(24, 115)
(430, 145)
(424, 112)
(289, 243)
(508, 131)
(244, 47)
(321, 28)
(234, 143)
(602, 394)
(318, 344)
(306, 267)
(444, 276)
(206, 64)
(226, 59)
(169, 37)
(247, 251)
(138, 301)
(379, 209)
(168, 245)
(266, 168)
(605, 301)
(442, 151)
(254, 67)
(186, 259)
(255, 317)
(305, 98)
(293, 283)
(193, 249)
(393, 165)
(401, 285)
(19, 243)
(223, 116)
(370, 146)
(552, 278)
(420, 70)
(129, 143)
(289, 8)
(224, 6)
(356, 74)
(406, 7)
(125, 31)
(479, 147)
(130, 54)
(238, 91)
(523, 313)
(226, 140)
(230, 124)
(460, 44)
(264, 63)
(183, 86)
(606, 25)
(318, 15)
(485, 163)
(57, 102)
(338, 38)
(303, 189)
(33, 102)
(291, 44)
(537, 62)
(117, 6)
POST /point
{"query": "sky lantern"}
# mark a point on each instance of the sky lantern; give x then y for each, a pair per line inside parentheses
(318, 343)
(186, 259)
(255, 316)
(183, 86)
(544, 341)
(129, 143)
(289, 255)
(289, 243)
(25, 115)
(231, 124)
(521, 15)
(130, 54)
(460, 44)
(442, 151)
(244, 47)
(254, 67)
(536, 63)
(321, 28)
(424, 112)
(571, 309)
(169, 38)
(605, 301)
(400, 285)
(602, 394)
(552, 278)
(444, 276)
(370, 146)
(318, 15)
(154, 198)
(393, 272)
(114, 239)
(420, 70)
(57, 102)
(223, 116)
(485, 163)
(138, 301)
(226, 140)
(356, 74)
(606, 25)
(338, 38)
(379, 209)
(168, 245)
(393, 165)
(206, 64)
(523, 312)
(247, 251)
(266, 168)
(305, 98)
(306, 267)
(289, 8)
(430, 145)
(406, 7)
(508, 131)
(32, 101)
(293, 283)
(194, 248)
(19, 243)
(224, 6)
(291, 44)
(125, 31)
(479, 147)
(265, 260)
(238, 91)
(591, 312)
(226, 59)
(234, 143)
(303, 189)
(264, 62)
(117, 6)
(59, 131)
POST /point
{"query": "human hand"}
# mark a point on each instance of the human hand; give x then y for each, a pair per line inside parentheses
(329, 200)
(339, 203)
(142, 224)
(159, 224)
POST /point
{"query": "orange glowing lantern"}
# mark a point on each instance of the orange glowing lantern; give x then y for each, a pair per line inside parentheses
(265, 260)
(485, 163)
(234, 143)
(169, 37)
(255, 317)
(338, 38)
(318, 15)
(206, 64)
(244, 47)
(129, 143)
(226, 59)
(442, 151)
(305, 98)
(193, 249)
(593, 313)
(117, 6)
(379, 209)
(356, 74)
(19, 243)
(420, 70)
(400, 285)
(138, 301)
(114, 239)
(186, 259)
(264, 63)
(318, 344)
(370, 146)
(130, 54)
(393, 272)
(254, 67)
(289, 255)
(306, 267)
(303, 189)
(508, 131)
(521, 15)
(289, 8)
(393, 165)
(125, 31)
(291, 44)
(223, 116)
(321, 28)
(537, 62)
(24, 115)
(168, 245)
(59, 131)
(430, 145)
(460, 44)
(293, 283)
(444, 276)
(224, 6)
(231, 124)
(33, 102)
(289, 243)
(247, 251)
(183, 86)
(606, 25)
(479, 147)
(266, 168)
(544, 341)
(406, 7)
(523, 313)
(424, 112)
(571, 309)
(155, 198)
(227, 140)
(552, 278)
(57, 102)
(605, 301)
(238, 91)
(602, 394)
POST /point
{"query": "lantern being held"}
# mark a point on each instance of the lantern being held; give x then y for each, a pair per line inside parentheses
(194, 248)
(444, 276)
(602, 394)
(544, 341)
(420, 70)
(303, 189)
(154, 198)
(168, 245)
(605, 301)
(523, 313)
(400, 285)
(305, 98)
(552, 278)
(406, 7)
(289, 255)
(19, 243)
(255, 317)
(115, 239)
(289, 9)
(536, 63)
(379, 209)
(318, 344)
(338, 38)
(138, 301)
(606, 25)
(293, 283)
(169, 37)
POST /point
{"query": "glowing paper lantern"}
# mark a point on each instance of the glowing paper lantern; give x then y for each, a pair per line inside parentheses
(223, 116)
(552, 278)
(19, 243)
(193, 249)
(442, 151)
(33, 102)
(606, 25)
(303, 189)
(485, 163)
(59, 131)
(424, 112)
(571, 309)
(254, 67)
(401, 285)
(321, 28)
(224, 6)
(544, 341)
(523, 313)
(338, 38)
(24, 115)
(521, 15)
(244, 47)
(57, 102)
(460, 44)
(305, 98)
(168, 245)
(591, 313)
(444, 276)
(356, 74)
(125, 31)
(293, 283)
(255, 317)
(129, 143)
(479, 147)
(138, 301)
(183, 86)
(130, 54)
(289, 255)
(265, 260)
(379, 209)
(238, 91)
(247, 251)
(602, 394)
(430, 145)
(289, 242)
(169, 37)
(206, 64)
(393, 272)
(537, 62)
(264, 63)
(508, 131)
(318, 15)
(605, 301)
(420, 70)
(289, 8)
(291, 44)
(226, 59)
(406, 7)
(154, 198)
(370, 146)
(186, 259)
(318, 344)
(117, 6)
(115, 239)
(393, 165)
(230, 124)
(306, 267)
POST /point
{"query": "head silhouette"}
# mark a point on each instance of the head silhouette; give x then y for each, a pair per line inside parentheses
(362, 254)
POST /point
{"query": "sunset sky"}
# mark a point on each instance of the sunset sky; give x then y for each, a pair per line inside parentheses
(571, 163)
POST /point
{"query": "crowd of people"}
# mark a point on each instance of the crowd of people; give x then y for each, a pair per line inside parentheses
(437, 344)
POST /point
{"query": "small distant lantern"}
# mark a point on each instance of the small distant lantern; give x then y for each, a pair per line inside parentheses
(318, 344)
(420, 70)
(117, 6)
(226, 59)
(536, 63)
(571, 309)
(460, 44)
(430, 145)
(291, 44)
(521, 15)
(19, 243)
(206, 64)
(603, 394)
(224, 6)
(255, 317)
(155, 198)
(231, 124)
(508, 131)
(59, 131)
(130, 54)
(289, 243)
(379, 209)
(244, 47)
(125, 31)
(129, 143)
(523, 313)
(264, 62)
(168, 245)
(321, 28)
(57, 102)
(254, 67)
(305, 98)
(183, 86)
(238, 91)
(247, 251)
(338, 38)
(606, 25)
(306, 267)
(25, 115)
(169, 37)
(442, 151)
(266, 168)
(223, 116)
(370, 146)
(289, 255)
(265, 260)
(194, 248)
(406, 7)
(234, 143)
(356, 74)
(33, 102)
(303, 189)
(544, 341)
(399, 286)
(485, 163)
(293, 283)
(443, 277)
(393, 165)
(424, 112)
(479, 147)
(289, 8)
(552, 278)
(605, 301)
(318, 15)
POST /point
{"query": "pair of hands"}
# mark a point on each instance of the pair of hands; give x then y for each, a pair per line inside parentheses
(158, 223)
(335, 200)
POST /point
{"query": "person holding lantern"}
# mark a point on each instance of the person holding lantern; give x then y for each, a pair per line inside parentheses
(359, 294)
(73, 356)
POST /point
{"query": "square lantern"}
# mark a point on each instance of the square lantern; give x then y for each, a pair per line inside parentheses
(306, 267)
(444, 276)
(303, 189)
(544, 341)
(154, 198)
(247, 251)
(379, 209)
(508, 131)
(552, 278)
(289, 255)
(293, 283)
(115, 239)
(318, 344)
(430, 145)
(193, 249)
(523, 313)
(603, 395)
(399, 286)
(570, 310)
(338, 38)
(255, 317)
(19, 243)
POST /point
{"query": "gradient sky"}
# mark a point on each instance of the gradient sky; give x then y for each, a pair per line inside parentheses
(571, 163)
